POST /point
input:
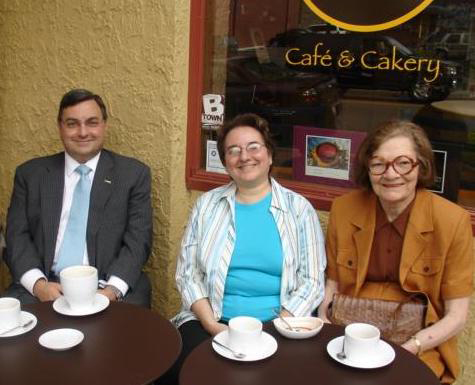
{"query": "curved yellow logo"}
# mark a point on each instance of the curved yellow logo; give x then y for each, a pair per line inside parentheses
(366, 15)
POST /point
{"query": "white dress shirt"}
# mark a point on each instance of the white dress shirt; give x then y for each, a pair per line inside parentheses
(71, 178)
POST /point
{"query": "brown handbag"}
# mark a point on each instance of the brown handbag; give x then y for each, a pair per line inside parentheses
(397, 321)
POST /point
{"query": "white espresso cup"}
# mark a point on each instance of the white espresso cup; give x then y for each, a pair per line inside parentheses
(244, 334)
(10, 313)
(361, 342)
(79, 286)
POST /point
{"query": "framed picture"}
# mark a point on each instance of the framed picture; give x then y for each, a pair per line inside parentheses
(325, 156)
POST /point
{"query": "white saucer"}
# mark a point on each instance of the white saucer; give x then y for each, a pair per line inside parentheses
(265, 348)
(25, 317)
(61, 339)
(383, 355)
(61, 306)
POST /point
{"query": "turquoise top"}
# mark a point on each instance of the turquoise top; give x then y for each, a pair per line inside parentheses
(252, 285)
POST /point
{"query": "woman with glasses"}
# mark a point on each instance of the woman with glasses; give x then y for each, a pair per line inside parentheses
(251, 247)
(394, 239)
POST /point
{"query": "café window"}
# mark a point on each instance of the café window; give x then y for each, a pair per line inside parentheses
(322, 87)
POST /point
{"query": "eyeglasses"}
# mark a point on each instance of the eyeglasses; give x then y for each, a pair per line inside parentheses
(89, 123)
(402, 164)
(252, 148)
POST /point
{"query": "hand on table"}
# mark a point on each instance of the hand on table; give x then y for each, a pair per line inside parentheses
(46, 291)
(215, 328)
(410, 346)
(204, 313)
(323, 314)
(109, 293)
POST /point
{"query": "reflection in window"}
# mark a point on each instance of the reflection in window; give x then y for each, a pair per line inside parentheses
(279, 60)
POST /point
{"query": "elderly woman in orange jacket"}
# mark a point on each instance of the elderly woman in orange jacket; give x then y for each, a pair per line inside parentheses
(394, 238)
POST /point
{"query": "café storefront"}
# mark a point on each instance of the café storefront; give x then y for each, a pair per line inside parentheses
(323, 76)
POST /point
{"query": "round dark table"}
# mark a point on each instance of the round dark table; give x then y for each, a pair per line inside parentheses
(300, 362)
(124, 344)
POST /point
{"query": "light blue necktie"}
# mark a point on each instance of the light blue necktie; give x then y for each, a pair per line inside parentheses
(74, 241)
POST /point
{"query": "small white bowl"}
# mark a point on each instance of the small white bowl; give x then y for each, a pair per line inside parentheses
(61, 339)
(304, 327)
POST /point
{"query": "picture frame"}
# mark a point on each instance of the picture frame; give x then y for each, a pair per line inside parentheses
(325, 156)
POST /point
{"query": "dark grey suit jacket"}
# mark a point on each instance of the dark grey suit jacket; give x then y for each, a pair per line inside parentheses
(119, 231)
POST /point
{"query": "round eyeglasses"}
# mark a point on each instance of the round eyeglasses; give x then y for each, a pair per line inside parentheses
(252, 148)
(402, 164)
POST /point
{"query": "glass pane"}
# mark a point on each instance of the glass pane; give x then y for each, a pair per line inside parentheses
(321, 88)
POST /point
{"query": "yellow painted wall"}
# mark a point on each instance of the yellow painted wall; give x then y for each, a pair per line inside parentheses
(135, 54)
(132, 52)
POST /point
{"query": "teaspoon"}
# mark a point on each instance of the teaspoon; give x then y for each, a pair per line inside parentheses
(26, 324)
(234, 352)
(277, 313)
(341, 355)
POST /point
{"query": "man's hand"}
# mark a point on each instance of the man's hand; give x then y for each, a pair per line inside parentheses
(109, 293)
(46, 291)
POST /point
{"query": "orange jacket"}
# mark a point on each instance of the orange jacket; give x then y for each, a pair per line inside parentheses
(436, 258)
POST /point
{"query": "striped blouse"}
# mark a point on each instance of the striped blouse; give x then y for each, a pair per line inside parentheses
(208, 244)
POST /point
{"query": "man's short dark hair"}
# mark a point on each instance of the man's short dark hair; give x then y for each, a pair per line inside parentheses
(78, 95)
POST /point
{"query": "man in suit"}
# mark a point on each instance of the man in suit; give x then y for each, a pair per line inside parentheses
(117, 227)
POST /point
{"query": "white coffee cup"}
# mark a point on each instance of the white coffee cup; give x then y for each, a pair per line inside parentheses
(361, 342)
(244, 334)
(79, 286)
(10, 313)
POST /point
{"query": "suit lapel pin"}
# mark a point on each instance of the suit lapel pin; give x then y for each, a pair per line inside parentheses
(107, 181)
